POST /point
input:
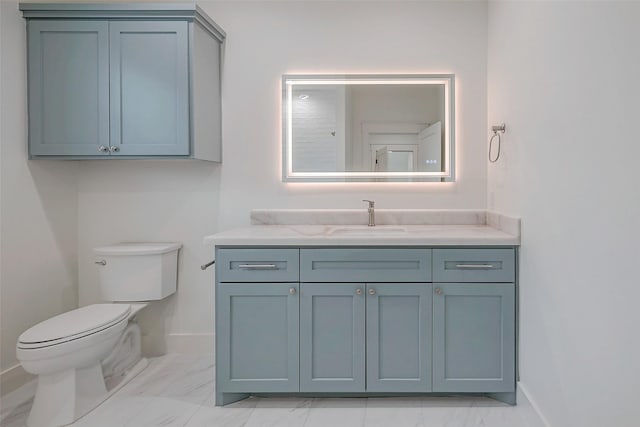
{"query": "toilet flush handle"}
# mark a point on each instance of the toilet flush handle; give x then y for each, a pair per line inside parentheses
(101, 262)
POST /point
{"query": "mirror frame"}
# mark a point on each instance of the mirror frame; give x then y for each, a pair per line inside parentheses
(290, 80)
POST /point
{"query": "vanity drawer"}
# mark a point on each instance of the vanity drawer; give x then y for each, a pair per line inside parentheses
(365, 265)
(474, 265)
(258, 265)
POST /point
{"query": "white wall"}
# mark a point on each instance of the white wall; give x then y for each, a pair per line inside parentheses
(38, 212)
(563, 76)
(268, 39)
(184, 200)
(140, 200)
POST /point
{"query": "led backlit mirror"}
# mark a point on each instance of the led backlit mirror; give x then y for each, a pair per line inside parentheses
(372, 128)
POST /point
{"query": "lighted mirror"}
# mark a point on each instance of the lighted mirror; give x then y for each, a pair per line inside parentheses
(372, 128)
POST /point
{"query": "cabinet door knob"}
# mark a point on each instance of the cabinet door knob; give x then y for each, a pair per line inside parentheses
(114, 149)
(438, 291)
(372, 291)
(103, 149)
(358, 291)
(292, 291)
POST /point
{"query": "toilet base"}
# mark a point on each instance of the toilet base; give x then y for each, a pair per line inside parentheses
(64, 397)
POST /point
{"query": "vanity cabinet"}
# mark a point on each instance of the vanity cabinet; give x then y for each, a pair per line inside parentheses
(351, 333)
(473, 320)
(356, 321)
(399, 327)
(473, 337)
(257, 318)
(123, 81)
(332, 337)
(258, 337)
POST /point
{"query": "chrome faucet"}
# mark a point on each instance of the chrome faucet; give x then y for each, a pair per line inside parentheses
(372, 212)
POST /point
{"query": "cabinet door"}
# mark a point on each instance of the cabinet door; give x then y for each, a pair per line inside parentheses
(149, 64)
(474, 337)
(258, 337)
(332, 340)
(68, 76)
(399, 326)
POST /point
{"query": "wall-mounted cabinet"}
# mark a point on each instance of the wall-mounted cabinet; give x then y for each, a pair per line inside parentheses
(123, 81)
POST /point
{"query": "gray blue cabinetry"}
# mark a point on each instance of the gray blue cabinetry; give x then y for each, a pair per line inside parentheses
(334, 345)
(257, 322)
(474, 320)
(365, 265)
(123, 81)
(68, 87)
(258, 265)
(369, 320)
(474, 265)
(258, 337)
(332, 337)
(399, 337)
(473, 337)
(149, 68)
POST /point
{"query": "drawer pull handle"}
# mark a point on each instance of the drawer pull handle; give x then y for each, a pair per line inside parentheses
(474, 266)
(292, 291)
(258, 266)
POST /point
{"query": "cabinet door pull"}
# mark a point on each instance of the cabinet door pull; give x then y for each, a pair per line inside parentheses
(438, 291)
(358, 291)
(474, 266)
(372, 291)
(258, 266)
(292, 291)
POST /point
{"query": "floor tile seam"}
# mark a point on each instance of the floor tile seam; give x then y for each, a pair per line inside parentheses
(140, 411)
(306, 418)
(200, 408)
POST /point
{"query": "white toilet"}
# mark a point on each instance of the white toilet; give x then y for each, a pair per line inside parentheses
(83, 356)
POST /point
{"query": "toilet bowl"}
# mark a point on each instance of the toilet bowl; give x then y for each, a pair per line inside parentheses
(83, 356)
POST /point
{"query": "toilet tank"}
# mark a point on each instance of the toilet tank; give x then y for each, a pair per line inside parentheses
(137, 271)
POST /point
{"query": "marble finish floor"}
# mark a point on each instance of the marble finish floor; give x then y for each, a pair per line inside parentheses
(178, 391)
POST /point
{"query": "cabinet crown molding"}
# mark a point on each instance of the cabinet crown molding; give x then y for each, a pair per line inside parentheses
(137, 11)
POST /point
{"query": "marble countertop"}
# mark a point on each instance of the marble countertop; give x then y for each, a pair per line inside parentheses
(397, 228)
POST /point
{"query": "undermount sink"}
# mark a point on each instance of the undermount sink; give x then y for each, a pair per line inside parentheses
(363, 230)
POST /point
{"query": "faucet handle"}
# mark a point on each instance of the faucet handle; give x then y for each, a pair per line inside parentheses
(372, 203)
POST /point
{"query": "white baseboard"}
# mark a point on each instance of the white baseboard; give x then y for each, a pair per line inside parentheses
(191, 343)
(534, 414)
(12, 378)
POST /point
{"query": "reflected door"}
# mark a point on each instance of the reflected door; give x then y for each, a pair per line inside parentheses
(430, 151)
(397, 158)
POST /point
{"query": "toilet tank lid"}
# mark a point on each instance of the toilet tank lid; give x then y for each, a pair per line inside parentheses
(137, 248)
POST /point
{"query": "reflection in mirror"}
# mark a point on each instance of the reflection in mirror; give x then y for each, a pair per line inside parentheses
(368, 128)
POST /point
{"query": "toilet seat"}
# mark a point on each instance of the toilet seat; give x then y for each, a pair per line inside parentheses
(73, 325)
